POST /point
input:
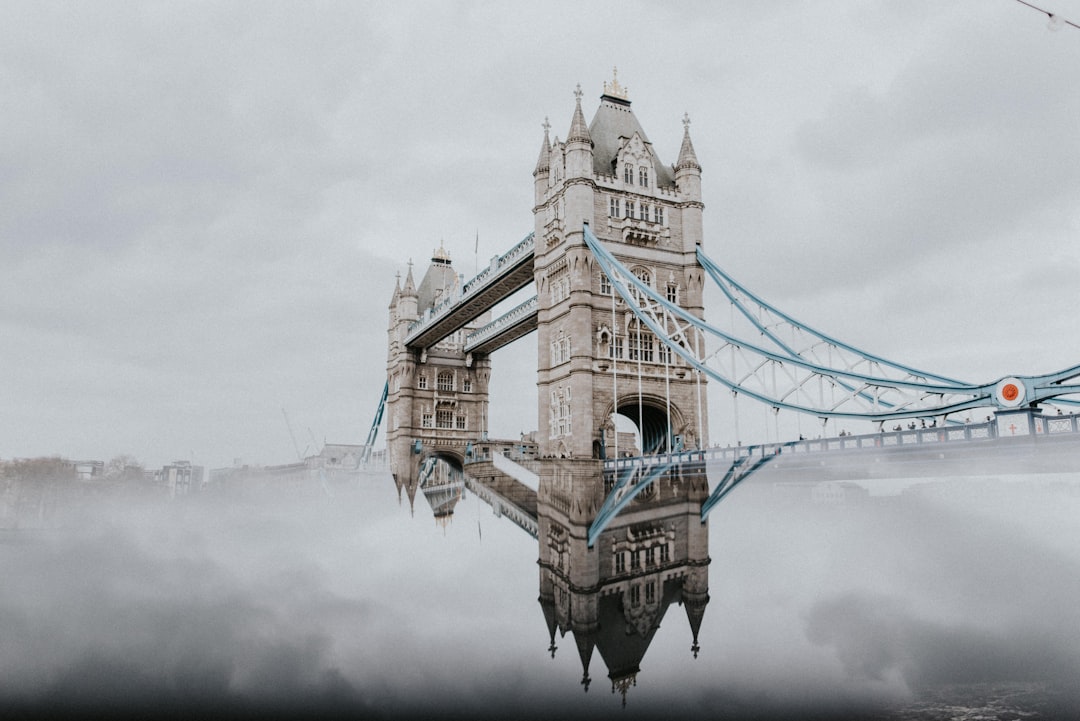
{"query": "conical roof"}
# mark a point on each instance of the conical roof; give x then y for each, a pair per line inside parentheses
(579, 131)
(687, 156)
(611, 128)
(543, 163)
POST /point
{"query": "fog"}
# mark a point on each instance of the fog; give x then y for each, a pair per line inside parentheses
(359, 603)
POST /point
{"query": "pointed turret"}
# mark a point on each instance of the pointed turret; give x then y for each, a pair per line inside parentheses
(543, 168)
(410, 285)
(407, 299)
(579, 131)
(687, 158)
(688, 184)
(397, 293)
(543, 163)
(585, 646)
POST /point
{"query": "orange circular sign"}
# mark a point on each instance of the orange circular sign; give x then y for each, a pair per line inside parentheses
(1010, 392)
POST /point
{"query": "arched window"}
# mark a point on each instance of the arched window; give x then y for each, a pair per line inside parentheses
(628, 174)
(643, 275)
(445, 381)
(643, 177)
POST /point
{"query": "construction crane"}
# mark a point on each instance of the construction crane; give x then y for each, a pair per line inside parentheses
(296, 446)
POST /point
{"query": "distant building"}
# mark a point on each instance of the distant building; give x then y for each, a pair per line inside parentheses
(88, 470)
(180, 478)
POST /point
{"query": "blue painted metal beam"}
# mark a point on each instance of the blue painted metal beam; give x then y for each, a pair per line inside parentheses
(624, 491)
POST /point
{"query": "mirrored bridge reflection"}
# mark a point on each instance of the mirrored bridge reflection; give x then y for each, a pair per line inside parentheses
(604, 603)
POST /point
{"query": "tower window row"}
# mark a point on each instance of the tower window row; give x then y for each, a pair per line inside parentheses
(444, 419)
(560, 423)
(635, 210)
(640, 558)
(642, 175)
(445, 381)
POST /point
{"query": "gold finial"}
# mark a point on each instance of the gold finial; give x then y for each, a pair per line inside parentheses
(614, 89)
(440, 254)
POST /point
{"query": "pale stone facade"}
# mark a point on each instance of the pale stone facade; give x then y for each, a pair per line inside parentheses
(438, 396)
(649, 215)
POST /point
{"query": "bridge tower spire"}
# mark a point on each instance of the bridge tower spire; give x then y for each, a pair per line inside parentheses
(591, 349)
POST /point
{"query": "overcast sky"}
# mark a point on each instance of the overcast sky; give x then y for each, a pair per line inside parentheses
(203, 206)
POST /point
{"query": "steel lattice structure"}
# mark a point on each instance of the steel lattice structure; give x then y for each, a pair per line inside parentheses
(796, 368)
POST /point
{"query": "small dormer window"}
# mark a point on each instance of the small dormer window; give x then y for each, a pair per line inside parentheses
(643, 177)
(628, 174)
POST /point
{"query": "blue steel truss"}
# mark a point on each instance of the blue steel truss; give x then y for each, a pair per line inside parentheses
(633, 482)
(858, 386)
(370, 443)
(739, 470)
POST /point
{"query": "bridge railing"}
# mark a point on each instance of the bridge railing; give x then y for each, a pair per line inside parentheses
(507, 319)
(905, 437)
(481, 280)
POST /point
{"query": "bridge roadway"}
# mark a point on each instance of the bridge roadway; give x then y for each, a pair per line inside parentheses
(507, 274)
(1052, 445)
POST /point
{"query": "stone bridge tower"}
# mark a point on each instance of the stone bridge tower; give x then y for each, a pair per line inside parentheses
(438, 396)
(591, 350)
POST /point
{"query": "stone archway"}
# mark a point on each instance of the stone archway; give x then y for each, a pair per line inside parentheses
(650, 415)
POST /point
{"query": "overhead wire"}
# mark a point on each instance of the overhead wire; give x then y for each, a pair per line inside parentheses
(1055, 19)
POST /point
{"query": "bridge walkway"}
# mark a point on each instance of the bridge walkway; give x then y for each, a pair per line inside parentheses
(507, 274)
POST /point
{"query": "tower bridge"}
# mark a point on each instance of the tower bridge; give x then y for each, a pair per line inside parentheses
(619, 263)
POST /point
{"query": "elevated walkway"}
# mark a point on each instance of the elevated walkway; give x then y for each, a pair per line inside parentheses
(507, 274)
(507, 496)
(505, 329)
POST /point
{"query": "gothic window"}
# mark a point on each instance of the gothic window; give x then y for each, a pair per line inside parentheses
(663, 353)
(445, 381)
(559, 284)
(628, 174)
(466, 385)
(665, 554)
(643, 177)
(635, 561)
(559, 409)
(629, 209)
(620, 562)
(635, 595)
(643, 275)
(613, 207)
(421, 382)
(426, 420)
(560, 349)
(672, 293)
(460, 423)
(615, 351)
(444, 419)
(650, 592)
(640, 344)
(605, 284)
(658, 214)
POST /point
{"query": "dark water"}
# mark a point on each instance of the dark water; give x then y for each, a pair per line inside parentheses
(948, 600)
